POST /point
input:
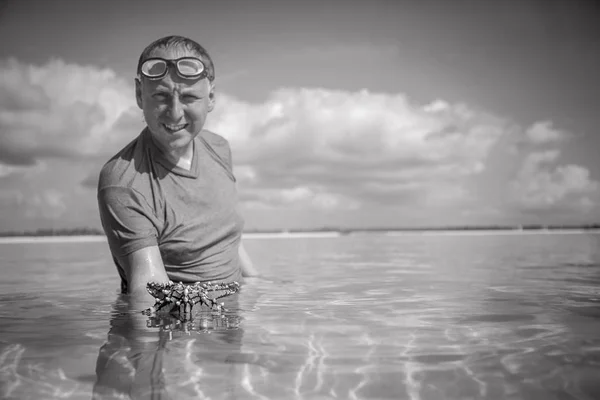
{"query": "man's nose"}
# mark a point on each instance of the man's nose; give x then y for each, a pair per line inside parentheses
(175, 109)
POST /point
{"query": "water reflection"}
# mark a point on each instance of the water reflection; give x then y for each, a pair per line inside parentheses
(530, 314)
(165, 357)
(452, 317)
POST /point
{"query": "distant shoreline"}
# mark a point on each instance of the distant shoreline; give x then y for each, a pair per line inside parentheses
(321, 234)
(329, 230)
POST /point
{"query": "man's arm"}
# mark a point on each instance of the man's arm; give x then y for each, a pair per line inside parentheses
(143, 266)
(248, 269)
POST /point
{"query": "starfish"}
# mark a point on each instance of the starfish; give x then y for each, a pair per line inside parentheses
(185, 297)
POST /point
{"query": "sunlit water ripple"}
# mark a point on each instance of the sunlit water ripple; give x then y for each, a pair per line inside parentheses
(356, 317)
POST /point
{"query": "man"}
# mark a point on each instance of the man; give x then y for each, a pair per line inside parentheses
(168, 199)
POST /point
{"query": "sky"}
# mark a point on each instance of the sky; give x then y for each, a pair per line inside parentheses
(339, 113)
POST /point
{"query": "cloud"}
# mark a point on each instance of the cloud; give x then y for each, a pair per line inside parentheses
(59, 122)
(62, 110)
(520, 140)
(544, 132)
(301, 150)
(542, 185)
(6, 170)
(355, 147)
(44, 203)
(48, 204)
(300, 197)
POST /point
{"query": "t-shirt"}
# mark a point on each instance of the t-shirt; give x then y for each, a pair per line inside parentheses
(145, 200)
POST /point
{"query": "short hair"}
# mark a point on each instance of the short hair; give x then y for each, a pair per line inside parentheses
(179, 41)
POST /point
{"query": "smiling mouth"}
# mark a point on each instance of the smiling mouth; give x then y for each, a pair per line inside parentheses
(173, 128)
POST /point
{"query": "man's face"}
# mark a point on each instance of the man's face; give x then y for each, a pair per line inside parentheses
(175, 108)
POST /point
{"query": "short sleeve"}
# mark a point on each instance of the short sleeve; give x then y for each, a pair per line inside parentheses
(128, 221)
(229, 157)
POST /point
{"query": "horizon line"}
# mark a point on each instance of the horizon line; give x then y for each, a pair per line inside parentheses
(482, 227)
(315, 235)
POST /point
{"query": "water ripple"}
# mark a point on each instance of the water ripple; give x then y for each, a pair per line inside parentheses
(412, 317)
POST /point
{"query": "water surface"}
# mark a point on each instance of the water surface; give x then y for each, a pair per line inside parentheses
(355, 317)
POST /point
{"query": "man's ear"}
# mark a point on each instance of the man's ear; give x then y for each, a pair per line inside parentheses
(211, 98)
(138, 92)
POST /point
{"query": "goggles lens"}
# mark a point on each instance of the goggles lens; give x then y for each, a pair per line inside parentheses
(187, 67)
(190, 67)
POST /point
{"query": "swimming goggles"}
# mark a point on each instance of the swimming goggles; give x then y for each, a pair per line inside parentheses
(186, 67)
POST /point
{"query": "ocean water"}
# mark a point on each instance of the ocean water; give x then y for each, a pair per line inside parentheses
(437, 316)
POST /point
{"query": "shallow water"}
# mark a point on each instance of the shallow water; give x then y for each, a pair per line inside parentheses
(356, 317)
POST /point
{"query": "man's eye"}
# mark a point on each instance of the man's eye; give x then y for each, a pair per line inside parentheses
(160, 96)
(188, 98)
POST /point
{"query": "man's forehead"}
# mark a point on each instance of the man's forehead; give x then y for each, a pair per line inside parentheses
(173, 82)
(173, 52)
